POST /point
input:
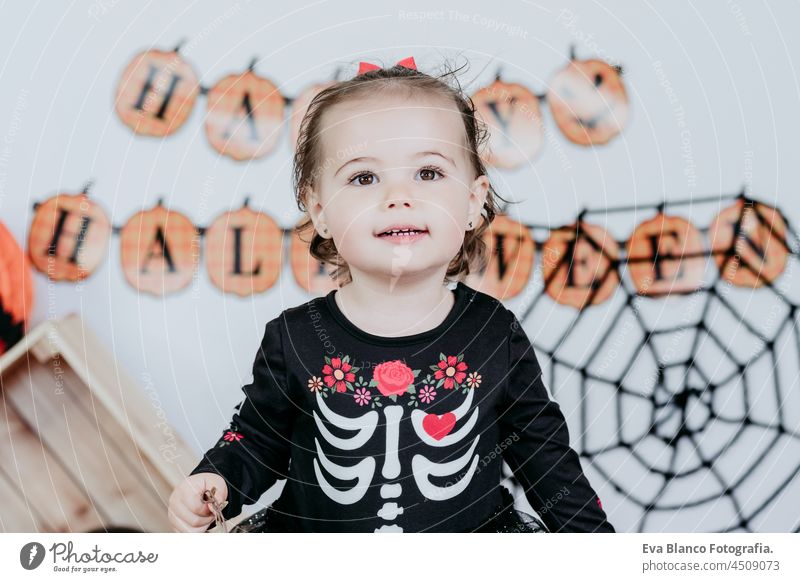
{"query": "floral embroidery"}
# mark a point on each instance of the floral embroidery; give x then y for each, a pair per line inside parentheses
(450, 371)
(474, 380)
(315, 384)
(373, 400)
(339, 373)
(393, 379)
(362, 396)
(427, 394)
(231, 436)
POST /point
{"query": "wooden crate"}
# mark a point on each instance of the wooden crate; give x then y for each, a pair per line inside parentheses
(82, 447)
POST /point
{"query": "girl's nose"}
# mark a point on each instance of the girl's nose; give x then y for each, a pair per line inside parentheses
(398, 195)
(393, 202)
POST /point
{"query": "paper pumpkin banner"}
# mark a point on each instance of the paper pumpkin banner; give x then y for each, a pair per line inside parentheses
(158, 90)
(580, 265)
(678, 246)
(581, 262)
(589, 102)
(749, 243)
(68, 237)
(512, 252)
(243, 251)
(157, 250)
(244, 118)
(157, 93)
(514, 119)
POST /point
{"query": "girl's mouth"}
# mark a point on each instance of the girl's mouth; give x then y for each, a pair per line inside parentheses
(402, 236)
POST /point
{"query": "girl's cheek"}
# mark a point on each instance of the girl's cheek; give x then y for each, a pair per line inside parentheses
(452, 224)
(349, 236)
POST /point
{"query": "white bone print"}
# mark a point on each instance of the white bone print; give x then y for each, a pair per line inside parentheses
(423, 468)
(395, 381)
(391, 468)
(364, 424)
(391, 464)
(363, 471)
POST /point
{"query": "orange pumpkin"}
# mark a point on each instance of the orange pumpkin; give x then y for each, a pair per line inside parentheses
(243, 251)
(156, 93)
(68, 237)
(589, 102)
(300, 106)
(657, 256)
(514, 119)
(748, 243)
(16, 290)
(158, 250)
(310, 274)
(245, 116)
(580, 265)
(510, 252)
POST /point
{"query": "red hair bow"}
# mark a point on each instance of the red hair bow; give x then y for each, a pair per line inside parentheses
(407, 62)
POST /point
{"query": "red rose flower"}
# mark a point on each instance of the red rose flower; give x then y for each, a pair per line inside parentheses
(393, 377)
(338, 374)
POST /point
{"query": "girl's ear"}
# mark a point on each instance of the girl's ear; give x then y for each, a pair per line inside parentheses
(315, 211)
(477, 197)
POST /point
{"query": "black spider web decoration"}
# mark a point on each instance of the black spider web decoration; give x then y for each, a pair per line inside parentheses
(713, 448)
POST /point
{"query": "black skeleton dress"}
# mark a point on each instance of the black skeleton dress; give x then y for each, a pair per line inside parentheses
(401, 434)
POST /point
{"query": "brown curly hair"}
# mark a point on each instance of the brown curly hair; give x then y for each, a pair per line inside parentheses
(307, 158)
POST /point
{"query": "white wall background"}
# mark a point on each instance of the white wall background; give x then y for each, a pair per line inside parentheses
(730, 66)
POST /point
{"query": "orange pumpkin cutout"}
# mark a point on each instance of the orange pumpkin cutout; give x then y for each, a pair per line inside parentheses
(243, 251)
(311, 274)
(580, 265)
(512, 115)
(589, 102)
(660, 257)
(158, 252)
(759, 252)
(245, 114)
(300, 106)
(16, 290)
(510, 253)
(68, 237)
(156, 93)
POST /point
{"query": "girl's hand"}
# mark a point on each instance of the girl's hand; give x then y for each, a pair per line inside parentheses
(187, 512)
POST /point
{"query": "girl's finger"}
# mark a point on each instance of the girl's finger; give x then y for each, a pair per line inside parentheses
(196, 505)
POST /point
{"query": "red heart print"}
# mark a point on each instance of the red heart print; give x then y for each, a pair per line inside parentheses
(439, 426)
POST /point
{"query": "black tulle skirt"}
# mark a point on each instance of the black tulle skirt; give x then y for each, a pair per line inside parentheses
(504, 519)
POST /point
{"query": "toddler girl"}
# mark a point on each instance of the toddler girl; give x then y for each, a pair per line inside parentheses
(390, 403)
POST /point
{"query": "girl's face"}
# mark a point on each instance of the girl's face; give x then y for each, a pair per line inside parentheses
(395, 163)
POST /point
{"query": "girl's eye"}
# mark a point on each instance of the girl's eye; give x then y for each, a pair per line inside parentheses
(363, 179)
(428, 174)
(367, 178)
